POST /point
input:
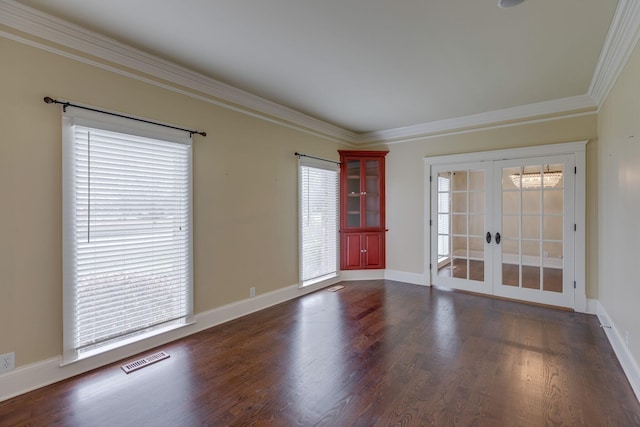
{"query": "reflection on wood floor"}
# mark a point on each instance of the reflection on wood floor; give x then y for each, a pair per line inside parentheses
(551, 277)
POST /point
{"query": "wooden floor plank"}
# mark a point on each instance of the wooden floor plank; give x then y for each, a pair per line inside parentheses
(376, 353)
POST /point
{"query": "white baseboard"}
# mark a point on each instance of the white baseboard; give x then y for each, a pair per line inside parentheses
(234, 310)
(361, 274)
(592, 306)
(403, 276)
(42, 373)
(629, 365)
(398, 276)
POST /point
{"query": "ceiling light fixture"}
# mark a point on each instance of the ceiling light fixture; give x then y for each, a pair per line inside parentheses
(509, 3)
(536, 179)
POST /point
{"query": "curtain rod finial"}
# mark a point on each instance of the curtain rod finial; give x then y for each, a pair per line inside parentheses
(49, 100)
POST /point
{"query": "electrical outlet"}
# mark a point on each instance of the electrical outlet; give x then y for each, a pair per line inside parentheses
(252, 292)
(7, 362)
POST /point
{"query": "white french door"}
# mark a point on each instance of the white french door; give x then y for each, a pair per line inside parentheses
(534, 229)
(505, 228)
(460, 197)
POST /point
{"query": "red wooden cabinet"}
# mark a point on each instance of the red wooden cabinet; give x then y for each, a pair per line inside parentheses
(362, 204)
(362, 250)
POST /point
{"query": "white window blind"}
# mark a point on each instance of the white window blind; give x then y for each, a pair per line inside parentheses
(127, 246)
(318, 220)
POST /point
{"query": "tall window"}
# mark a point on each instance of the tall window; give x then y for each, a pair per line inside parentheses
(127, 232)
(444, 211)
(318, 220)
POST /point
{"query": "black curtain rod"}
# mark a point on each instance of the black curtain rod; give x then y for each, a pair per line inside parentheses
(66, 104)
(317, 158)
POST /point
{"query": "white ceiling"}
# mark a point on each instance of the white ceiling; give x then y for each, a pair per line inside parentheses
(367, 65)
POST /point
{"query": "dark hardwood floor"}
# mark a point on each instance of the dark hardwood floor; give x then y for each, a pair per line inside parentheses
(377, 353)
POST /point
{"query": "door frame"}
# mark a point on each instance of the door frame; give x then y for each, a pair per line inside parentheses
(577, 149)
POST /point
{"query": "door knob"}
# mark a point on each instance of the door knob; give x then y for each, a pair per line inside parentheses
(488, 237)
(497, 238)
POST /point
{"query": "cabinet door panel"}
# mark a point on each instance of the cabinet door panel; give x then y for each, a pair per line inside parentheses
(352, 255)
(374, 247)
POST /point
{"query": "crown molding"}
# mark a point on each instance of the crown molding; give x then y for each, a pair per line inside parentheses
(68, 35)
(522, 113)
(619, 44)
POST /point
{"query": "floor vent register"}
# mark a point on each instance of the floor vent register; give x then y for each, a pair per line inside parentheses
(145, 361)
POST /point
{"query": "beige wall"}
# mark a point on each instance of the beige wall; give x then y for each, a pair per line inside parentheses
(619, 188)
(245, 192)
(405, 182)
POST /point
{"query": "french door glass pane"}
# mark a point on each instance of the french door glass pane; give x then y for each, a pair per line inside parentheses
(553, 201)
(511, 223)
(461, 216)
(476, 224)
(444, 223)
(459, 224)
(476, 180)
(532, 226)
(531, 202)
(459, 201)
(553, 233)
(460, 268)
(553, 227)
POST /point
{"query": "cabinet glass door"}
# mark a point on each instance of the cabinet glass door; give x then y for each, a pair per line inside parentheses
(363, 194)
(534, 212)
(372, 193)
(353, 193)
(459, 209)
